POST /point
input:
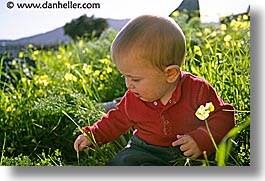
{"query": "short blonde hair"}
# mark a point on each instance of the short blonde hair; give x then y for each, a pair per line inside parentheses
(155, 39)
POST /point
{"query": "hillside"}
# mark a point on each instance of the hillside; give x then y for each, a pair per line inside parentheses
(52, 37)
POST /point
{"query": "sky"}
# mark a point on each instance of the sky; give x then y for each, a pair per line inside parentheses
(18, 23)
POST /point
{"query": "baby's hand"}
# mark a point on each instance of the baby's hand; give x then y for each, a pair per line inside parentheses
(188, 146)
(81, 142)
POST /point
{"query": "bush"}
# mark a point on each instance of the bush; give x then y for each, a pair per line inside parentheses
(84, 26)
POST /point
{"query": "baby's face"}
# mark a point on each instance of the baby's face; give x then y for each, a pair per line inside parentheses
(147, 82)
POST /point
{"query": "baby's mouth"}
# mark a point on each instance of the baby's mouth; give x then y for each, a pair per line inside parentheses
(136, 95)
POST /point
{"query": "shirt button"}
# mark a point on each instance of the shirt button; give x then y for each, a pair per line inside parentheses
(170, 101)
(155, 103)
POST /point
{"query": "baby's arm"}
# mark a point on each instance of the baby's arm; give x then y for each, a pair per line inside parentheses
(81, 142)
(188, 146)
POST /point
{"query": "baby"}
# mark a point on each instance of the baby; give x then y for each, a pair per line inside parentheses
(161, 100)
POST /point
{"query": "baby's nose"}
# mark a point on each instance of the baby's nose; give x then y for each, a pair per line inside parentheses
(129, 84)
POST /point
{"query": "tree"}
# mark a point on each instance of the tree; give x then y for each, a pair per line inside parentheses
(85, 26)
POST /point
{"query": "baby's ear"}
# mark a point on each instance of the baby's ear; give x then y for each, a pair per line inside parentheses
(172, 72)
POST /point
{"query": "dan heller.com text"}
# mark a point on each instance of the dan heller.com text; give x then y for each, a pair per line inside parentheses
(59, 5)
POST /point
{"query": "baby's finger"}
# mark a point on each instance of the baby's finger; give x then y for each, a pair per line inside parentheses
(76, 144)
(178, 142)
(82, 146)
(184, 147)
(179, 136)
(188, 153)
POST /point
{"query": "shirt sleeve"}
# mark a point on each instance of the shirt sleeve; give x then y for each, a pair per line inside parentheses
(111, 126)
(220, 121)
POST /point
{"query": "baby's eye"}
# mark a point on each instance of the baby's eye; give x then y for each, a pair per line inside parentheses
(135, 80)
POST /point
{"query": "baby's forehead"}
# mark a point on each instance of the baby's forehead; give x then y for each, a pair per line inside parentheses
(134, 60)
(136, 68)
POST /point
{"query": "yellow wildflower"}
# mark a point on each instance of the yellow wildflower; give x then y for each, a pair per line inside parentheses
(105, 61)
(6, 98)
(226, 44)
(239, 18)
(245, 25)
(232, 23)
(59, 56)
(223, 27)
(23, 79)
(42, 80)
(10, 109)
(213, 34)
(101, 87)
(101, 77)
(109, 70)
(68, 65)
(96, 73)
(39, 92)
(227, 38)
(36, 52)
(208, 45)
(30, 46)
(199, 34)
(70, 77)
(203, 111)
(20, 54)
(197, 50)
(87, 69)
(207, 31)
(245, 17)
(14, 62)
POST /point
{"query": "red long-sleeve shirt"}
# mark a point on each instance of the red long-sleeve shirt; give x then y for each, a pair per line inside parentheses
(159, 124)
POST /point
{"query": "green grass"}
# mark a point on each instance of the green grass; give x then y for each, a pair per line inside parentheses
(76, 78)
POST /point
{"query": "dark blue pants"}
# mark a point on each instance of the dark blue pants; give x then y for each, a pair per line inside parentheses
(140, 153)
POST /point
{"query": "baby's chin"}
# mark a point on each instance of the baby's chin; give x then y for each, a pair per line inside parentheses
(146, 100)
